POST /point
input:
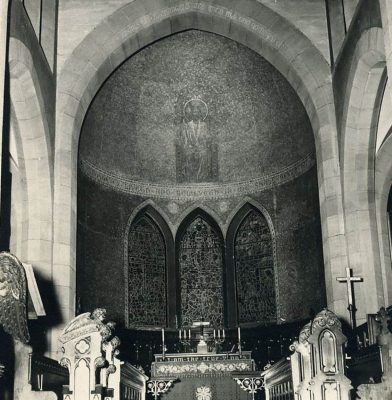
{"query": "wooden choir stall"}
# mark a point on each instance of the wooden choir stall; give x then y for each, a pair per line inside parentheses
(89, 352)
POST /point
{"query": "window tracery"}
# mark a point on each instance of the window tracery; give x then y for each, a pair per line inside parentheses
(254, 267)
(201, 274)
(146, 274)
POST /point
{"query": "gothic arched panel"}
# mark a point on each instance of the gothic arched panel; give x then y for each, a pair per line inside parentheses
(254, 270)
(200, 259)
(146, 274)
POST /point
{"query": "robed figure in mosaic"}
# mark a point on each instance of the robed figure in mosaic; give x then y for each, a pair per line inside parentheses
(195, 148)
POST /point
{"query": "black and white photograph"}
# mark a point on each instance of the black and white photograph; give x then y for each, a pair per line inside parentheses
(195, 200)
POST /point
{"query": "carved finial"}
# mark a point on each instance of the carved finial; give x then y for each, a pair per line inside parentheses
(111, 325)
(305, 333)
(140, 368)
(99, 314)
(115, 342)
(326, 319)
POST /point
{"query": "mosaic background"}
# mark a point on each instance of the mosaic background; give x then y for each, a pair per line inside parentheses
(255, 126)
(252, 122)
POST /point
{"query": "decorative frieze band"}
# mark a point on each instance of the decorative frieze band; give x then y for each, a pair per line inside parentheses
(202, 191)
(177, 369)
(201, 7)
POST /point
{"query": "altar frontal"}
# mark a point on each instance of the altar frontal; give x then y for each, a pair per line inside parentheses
(207, 373)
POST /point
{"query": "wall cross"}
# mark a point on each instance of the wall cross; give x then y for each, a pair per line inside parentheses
(349, 280)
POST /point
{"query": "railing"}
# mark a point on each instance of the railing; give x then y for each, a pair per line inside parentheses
(278, 382)
(46, 374)
(132, 383)
(364, 366)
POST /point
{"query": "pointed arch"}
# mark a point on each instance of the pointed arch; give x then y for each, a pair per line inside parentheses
(19, 209)
(150, 204)
(132, 27)
(30, 126)
(200, 260)
(251, 268)
(213, 215)
(358, 160)
(149, 271)
(383, 184)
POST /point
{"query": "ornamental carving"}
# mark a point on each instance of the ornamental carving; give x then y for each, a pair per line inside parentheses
(201, 368)
(83, 346)
(326, 319)
(203, 393)
(85, 324)
(305, 333)
(66, 363)
(197, 191)
(99, 362)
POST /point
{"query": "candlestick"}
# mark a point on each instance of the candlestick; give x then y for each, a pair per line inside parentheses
(239, 342)
(189, 334)
(163, 343)
(224, 334)
(214, 333)
(218, 333)
(179, 333)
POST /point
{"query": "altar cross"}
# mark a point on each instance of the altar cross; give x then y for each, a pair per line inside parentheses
(349, 279)
(201, 324)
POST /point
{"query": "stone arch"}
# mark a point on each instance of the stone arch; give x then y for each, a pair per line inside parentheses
(358, 163)
(205, 209)
(383, 183)
(34, 152)
(255, 204)
(19, 194)
(149, 204)
(251, 23)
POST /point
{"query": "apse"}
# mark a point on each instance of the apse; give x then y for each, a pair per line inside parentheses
(198, 192)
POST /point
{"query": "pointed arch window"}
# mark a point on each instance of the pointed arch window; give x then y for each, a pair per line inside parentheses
(200, 259)
(146, 273)
(254, 269)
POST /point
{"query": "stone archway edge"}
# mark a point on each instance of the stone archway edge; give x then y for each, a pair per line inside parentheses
(250, 23)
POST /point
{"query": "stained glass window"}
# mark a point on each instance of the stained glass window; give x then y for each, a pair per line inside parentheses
(146, 274)
(200, 259)
(254, 263)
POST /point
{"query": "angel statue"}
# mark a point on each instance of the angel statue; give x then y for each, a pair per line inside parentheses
(13, 297)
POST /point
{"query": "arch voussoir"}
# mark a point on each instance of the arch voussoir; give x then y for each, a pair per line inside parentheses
(30, 128)
(358, 159)
(253, 25)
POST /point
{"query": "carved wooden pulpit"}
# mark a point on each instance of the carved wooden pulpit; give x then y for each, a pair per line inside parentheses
(19, 300)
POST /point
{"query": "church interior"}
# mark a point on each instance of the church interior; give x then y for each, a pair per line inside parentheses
(195, 199)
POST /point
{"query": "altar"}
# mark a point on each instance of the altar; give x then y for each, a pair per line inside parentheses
(205, 374)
